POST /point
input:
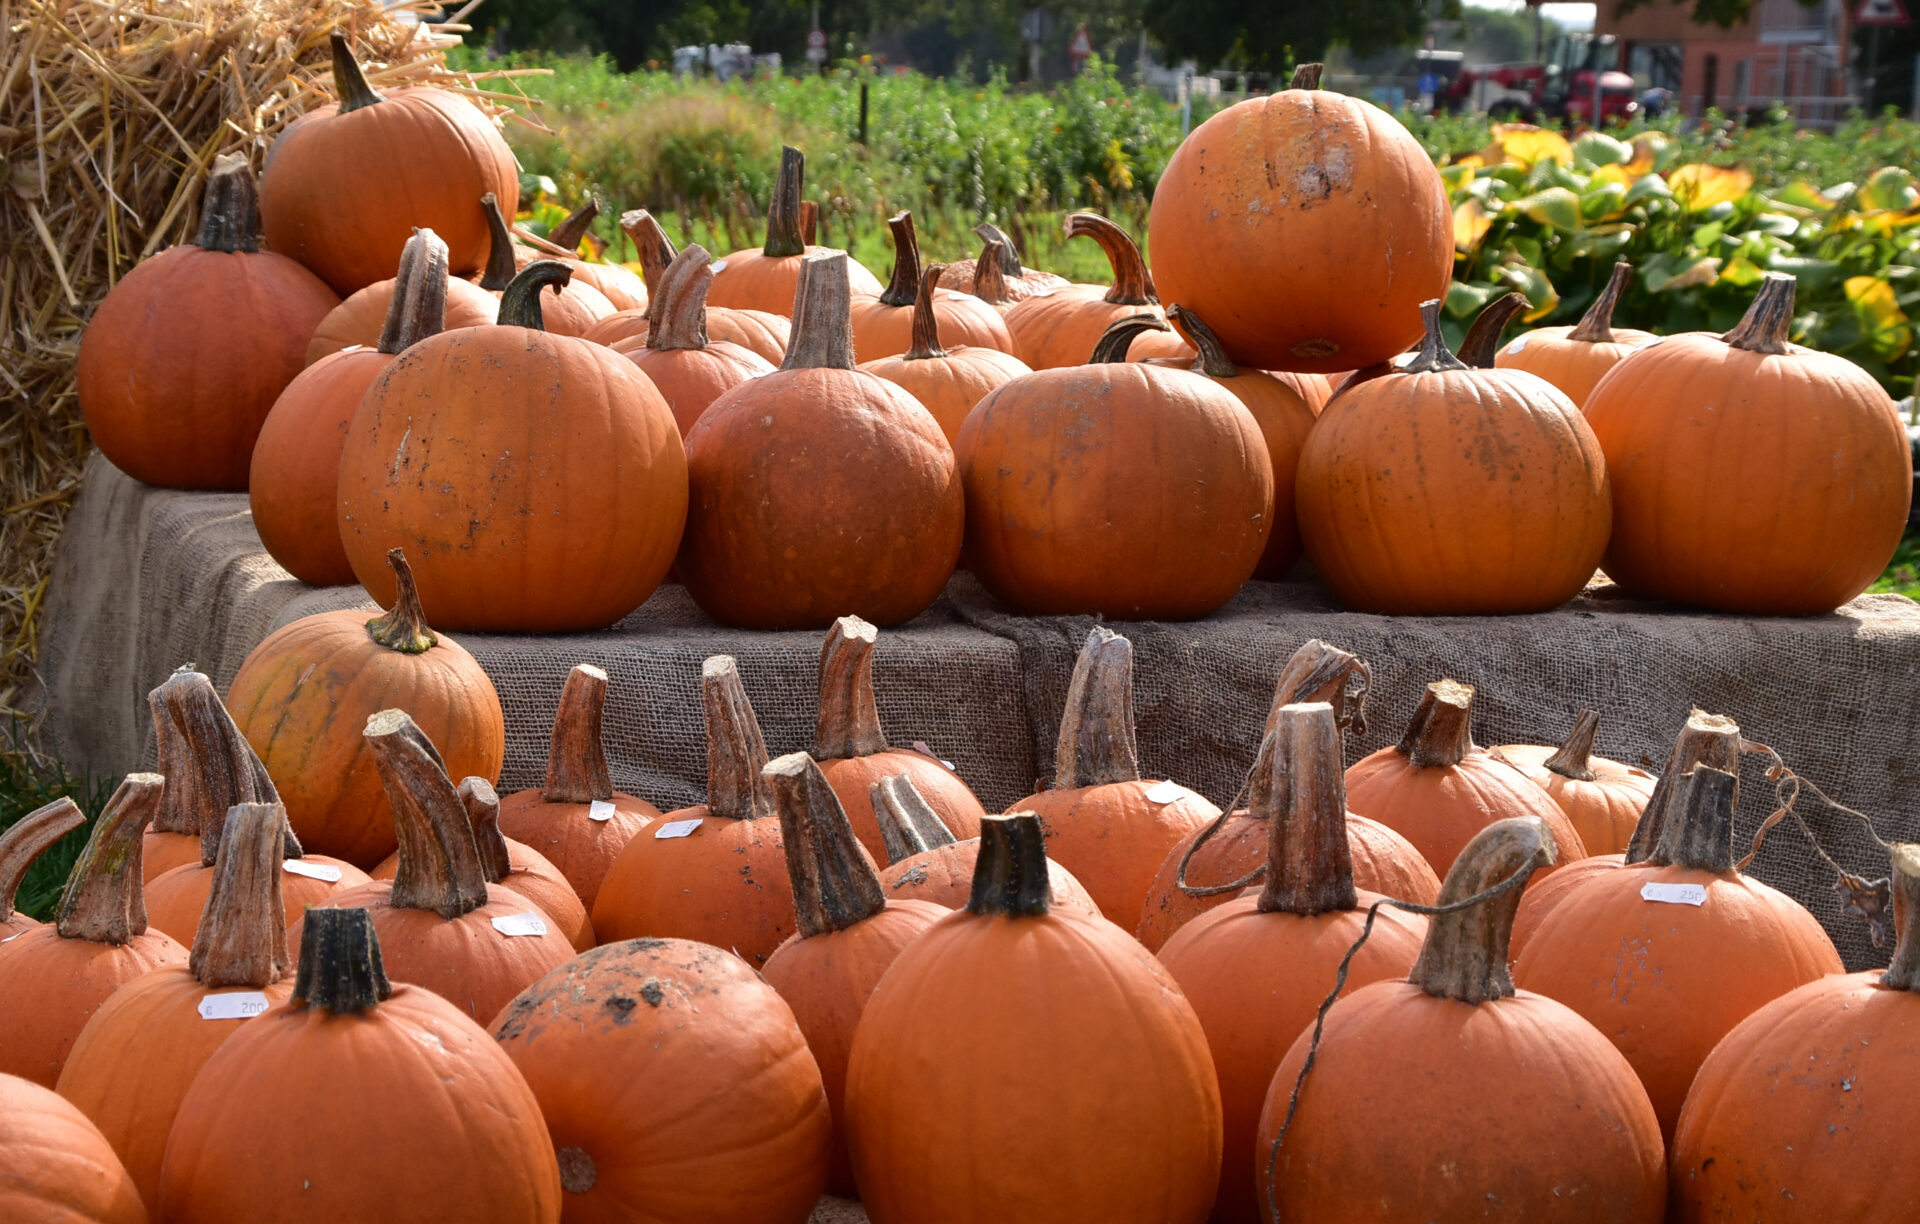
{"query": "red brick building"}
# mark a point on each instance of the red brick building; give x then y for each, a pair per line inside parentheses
(1784, 52)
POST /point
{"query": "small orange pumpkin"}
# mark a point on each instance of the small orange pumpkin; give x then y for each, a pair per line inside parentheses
(366, 319)
(885, 326)
(569, 306)
(619, 285)
(1575, 358)
(625, 331)
(999, 261)
(686, 366)
(59, 1166)
(1059, 328)
(1602, 798)
(770, 278)
(948, 382)
(926, 863)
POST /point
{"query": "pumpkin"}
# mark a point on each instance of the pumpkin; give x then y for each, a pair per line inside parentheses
(625, 331)
(1811, 442)
(1420, 1089)
(447, 459)
(926, 863)
(1256, 969)
(1441, 490)
(1207, 868)
(723, 881)
(25, 840)
(948, 382)
(1104, 823)
(1088, 1091)
(885, 326)
(1058, 329)
(59, 1166)
(1574, 358)
(772, 278)
(999, 260)
(132, 1064)
(819, 491)
(1438, 790)
(1602, 798)
(295, 477)
(1316, 389)
(54, 978)
(1804, 1110)
(675, 1085)
(623, 289)
(366, 318)
(1663, 980)
(1068, 472)
(684, 365)
(456, 1134)
(184, 357)
(303, 696)
(345, 184)
(847, 932)
(1306, 227)
(569, 306)
(441, 924)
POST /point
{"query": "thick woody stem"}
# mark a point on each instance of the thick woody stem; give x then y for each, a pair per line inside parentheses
(1111, 347)
(482, 804)
(1441, 733)
(1574, 758)
(736, 751)
(651, 241)
(1309, 864)
(835, 883)
(499, 271)
(809, 220)
(403, 627)
(908, 823)
(520, 301)
(1904, 972)
(990, 277)
(576, 756)
(1482, 341)
(1005, 253)
(1132, 286)
(214, 766)
(783, 211)
(679, 319)
(926, 324)
(1705, 739)
(1211, 356)
(1699, 834)
(1306, 76)
(1433, 355)
(903, 287)
(1096, 744)
(242, 938)
(822, 315)
(419, 306)
(848, 724)
(30, 837)
(569, 232)
(1596, 326)
(1465, 954)
(1769, 320)
(230, 209)
(1010, 876)
(1319, 672)
(104, 901)
(349, 81)
(440, 867)
(340, 967)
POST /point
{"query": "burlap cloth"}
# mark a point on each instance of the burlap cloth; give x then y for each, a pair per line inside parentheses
(148, 579)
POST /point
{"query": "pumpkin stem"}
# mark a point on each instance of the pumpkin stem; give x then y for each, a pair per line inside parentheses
(576, 756)
(1482, 341)
(1596, 326)
(1441, 733)
(498, 273)
(1212, 359)
(1769, 320)
(822, 315)
(903, 287)
(1465, 953)
(990, 277)
(30, 837)
(1096, 745)
(520, 301)
(679, 306)
(926, 324)
(1576, 752)
(214, 767)
(1309, 864)
(340, 966)
(419, 306)
(230, 209)
(242, 937)
(1111, 347)
(736, 751)
(1904, 972)
(482, 805)
(573, 229)
(1306, 76)
(1699, 835)
(440, 867)
(848, 724)
(403, 627)
(908, 823)
(1705, 739)
(105, 901)
(1006, 254)
(1433, 355)
(835, 883)
(1010, 875)
(784, 238)
(1319, 672)
(651, 241)
(349, 80)
(1132, 286)
(809, 220)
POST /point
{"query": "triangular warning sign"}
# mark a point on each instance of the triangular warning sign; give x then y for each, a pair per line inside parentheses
(1880, 12)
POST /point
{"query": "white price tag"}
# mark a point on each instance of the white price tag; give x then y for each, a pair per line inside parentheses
(9, 939)
(233, 1005)
(600, 810)
(1165, 792)
(922, 747)
(313, 871)
(1517, 345)
(678, 828)
(521, 924)
(1674, 894)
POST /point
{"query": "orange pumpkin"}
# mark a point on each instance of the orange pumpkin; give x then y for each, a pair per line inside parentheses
(303, 697)
(458, 1135)
(684, 365)
(926, 863)
(59, 1166)
(999, 263)
(25, 840)
(723, 881)
(770, 278)
(447, 458)
(1306, 227)
(619, 285)
(885, 326)
(1316, 389)
(54, 978)
(819, 491)
(1602, 798)
(569, 306)
(1750, 475)
(947, 382)
(1089, 1092)
(184, 357)
(1058, 329)
(1575, 358)
(345, 184)
(365, 318)
(625, 331)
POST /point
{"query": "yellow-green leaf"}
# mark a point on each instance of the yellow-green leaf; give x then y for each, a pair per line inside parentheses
(1699, 187)
(1741, 272)
(1600, 149)
(1532, 283)
(1470, 224)
(1525, 144)
(1802, 194)
(1456, 176)
(1878, 309)
(1556, 207)
(1889, 187)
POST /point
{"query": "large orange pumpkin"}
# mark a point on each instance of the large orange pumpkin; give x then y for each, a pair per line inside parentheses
(884, 326)
(1305, 227)
(537, 482)
(948, 382)
(345, 184)
(684, 364)
(1602, 798)
(926, 863)
(1088, 1093)
(185, 356)
(1750, 475)
(366, 317)
(819, 491)
(424, 1117)
(24, 841)
(569, 306)
(1575, 358)
(1060, 328)
(770, 278)
(60, 1168)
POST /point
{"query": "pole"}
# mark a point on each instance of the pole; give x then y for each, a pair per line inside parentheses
(1873, 66)
(1186, 103)
(1033, 63)
(863, 114)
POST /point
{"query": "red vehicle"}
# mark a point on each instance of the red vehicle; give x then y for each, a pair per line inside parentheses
(1579, 69)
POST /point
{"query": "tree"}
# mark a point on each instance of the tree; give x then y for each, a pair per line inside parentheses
(1268, 34)
(1723, 13)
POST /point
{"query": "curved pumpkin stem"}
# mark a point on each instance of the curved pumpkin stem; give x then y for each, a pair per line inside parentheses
(990, 277)
(179, 809)
(215, 768)
(1699, 836)
(1769, 320)
(1433, 355)
(1111, 348)
(242, 937)
(1010, 876)
(1441, 732)
(403, 627)
(1309, 863)
(822, 315)
(1596, 326)
(1319, 672)
(30, 837)
(835, 884)
(520, 303)
(500, 268)
(1904, 972)
(340, 967)
(482, 805)
(848, 724)
(736, 751)
(1705, 739)
(1006, 254)
(908, 823)
(1211, 356)
(1482, 341)
(1465, 953)
(419, 305)
(651, 241)
(784, 238)
(349, 80)
(568, 234)
(1306, 76)
(440, 868)
(1096, 745)
(576, 755)
(1574, 759)
(1132, 286)
(230, 209)
(903, 287)
(680, 304)
(105, 901)
(926, 323)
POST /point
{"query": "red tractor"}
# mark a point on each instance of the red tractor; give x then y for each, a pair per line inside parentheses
(1580, 70)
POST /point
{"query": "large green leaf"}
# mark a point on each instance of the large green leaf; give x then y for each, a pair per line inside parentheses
(1889, 187)
(1595, 149)
(1556, 207)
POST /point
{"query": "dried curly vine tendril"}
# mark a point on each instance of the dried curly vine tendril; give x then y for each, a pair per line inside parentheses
(1867, 899)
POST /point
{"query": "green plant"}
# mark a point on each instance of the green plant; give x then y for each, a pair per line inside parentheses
(27, 783)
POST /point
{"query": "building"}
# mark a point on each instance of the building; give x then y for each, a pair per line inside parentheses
(1784, 52)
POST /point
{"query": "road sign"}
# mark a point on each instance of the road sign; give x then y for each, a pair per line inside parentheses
(1881, 12)
(817, 46)
(1081, 47)
(1035, 25)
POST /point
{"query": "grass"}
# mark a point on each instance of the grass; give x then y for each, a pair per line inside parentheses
(27, 784)
(1903, 572)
